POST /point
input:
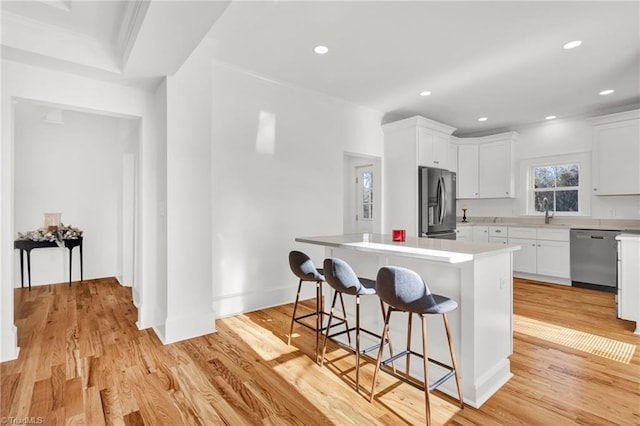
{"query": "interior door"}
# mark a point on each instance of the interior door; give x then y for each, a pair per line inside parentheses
(364, 198)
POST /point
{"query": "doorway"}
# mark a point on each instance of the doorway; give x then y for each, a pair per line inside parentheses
(83, 165)
(362, 194)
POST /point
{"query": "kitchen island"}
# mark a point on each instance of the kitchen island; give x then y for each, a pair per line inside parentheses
(478, 276)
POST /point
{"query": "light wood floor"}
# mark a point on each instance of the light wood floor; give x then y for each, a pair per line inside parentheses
(82, 361)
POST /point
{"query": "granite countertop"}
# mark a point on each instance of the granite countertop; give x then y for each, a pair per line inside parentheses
(448, 251)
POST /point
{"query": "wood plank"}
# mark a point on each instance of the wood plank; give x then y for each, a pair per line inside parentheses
(83, 361)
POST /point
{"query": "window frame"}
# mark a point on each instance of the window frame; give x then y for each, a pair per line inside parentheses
(582, 160)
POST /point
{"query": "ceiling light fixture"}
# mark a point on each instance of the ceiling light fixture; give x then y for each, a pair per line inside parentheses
(572, 44)
(550, 117)
(482, 119)
(321, 50)
(425, 93)
(606, 92)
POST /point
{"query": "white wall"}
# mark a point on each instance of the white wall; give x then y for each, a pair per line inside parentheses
(33, 83)
(276, 181)
(74, 168)
(554, 138)
(189, 310)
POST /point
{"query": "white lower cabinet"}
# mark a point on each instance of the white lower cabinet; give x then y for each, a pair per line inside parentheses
(629, 278)
(553, 258)
(525, 259)
(480, 234)
(464, 233)
(544, 251)
(498, 234)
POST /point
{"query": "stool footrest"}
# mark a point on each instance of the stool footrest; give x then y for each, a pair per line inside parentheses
(405, 377)
(349, 347)
(313, 327)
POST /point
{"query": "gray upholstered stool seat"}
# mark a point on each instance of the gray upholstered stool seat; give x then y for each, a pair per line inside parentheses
(403, 290)
(341, 277)
(303, 268)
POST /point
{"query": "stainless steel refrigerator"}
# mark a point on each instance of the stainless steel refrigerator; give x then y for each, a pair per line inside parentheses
(437, 203)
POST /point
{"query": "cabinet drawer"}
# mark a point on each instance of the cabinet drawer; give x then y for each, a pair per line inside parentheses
(553, 234)
(498, 231)
(522, 232)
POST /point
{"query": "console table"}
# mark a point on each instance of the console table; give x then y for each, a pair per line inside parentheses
(28, 245)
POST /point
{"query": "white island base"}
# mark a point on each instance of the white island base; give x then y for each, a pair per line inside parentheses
(478, 276)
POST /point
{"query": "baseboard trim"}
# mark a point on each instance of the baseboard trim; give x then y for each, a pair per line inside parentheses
(249, 301)
(186, 327)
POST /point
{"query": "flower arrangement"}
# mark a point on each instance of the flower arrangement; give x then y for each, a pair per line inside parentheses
(43, 234)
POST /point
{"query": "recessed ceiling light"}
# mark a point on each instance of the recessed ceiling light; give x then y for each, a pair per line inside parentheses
(550, 117)
(572, 44)
(607, 92)
(321, 50)
(425, 93)
(482, 119)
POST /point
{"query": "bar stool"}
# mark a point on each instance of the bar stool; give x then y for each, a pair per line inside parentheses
(302, 267)
(341, 277)
(403, 290)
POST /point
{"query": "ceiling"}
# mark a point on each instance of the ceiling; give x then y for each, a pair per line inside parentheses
(500, 60)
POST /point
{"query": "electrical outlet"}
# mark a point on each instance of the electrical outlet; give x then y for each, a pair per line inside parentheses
(612, 212)
(504, 282)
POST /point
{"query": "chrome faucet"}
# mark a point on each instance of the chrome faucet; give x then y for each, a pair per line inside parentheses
(545, 207)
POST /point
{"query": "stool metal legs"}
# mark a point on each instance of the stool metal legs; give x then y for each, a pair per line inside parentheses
(319, 314)
(453, 359)
(357, 329)
(453, 370)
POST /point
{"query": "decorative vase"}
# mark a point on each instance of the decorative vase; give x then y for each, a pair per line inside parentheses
(52, 221)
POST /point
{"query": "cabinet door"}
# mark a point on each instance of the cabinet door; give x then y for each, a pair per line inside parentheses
(440, 152)
(616, 154)
(453, 158)
(525, 259)
(494, 170)
(464, 233)
(553, 258)
(467, 177)
(629, 280)
(433, 149)
(481, 234)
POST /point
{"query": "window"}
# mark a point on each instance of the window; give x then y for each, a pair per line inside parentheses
(367, 196)
(564, 180)
(559, 185)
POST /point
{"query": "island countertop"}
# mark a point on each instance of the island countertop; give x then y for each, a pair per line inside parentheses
(439, 250)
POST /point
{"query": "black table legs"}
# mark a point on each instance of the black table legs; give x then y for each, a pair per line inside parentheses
(27, 246)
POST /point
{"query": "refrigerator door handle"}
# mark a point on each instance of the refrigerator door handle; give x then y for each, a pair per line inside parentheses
(443, 200)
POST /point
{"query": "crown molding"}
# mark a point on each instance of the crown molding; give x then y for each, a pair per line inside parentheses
(134, 15)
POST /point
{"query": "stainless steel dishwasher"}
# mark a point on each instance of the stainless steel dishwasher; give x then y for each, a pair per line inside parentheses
(594, 259)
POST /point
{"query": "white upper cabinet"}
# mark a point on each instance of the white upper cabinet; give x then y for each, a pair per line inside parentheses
(453, 154)
(616, 154)
(485, 166)
(495, 177)
(467, 177)
(433, 148)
